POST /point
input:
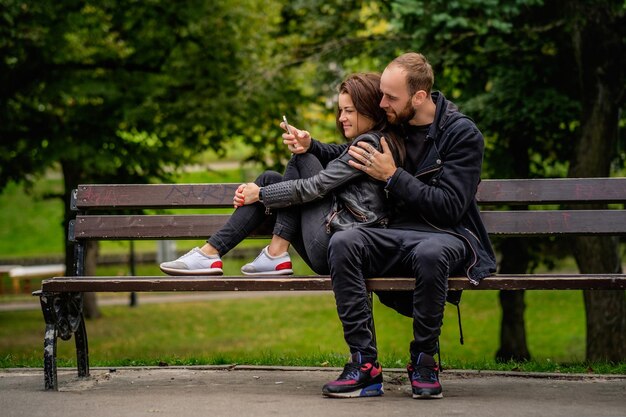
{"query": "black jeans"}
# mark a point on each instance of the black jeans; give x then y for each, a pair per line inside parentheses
(303, 225)
(430, 257)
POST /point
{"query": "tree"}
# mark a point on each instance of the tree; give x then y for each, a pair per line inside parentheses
(546, 95)
(598, 38)
(126, 91)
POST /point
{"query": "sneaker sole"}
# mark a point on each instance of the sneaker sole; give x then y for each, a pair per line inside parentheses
(427, 396)
(281, 272)
(374, 390)
(182, 272)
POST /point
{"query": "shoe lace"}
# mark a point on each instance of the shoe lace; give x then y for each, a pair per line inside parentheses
(350, 371)
(191, 251)
(425, 372)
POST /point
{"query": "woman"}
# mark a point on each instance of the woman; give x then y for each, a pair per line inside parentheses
(311, 201)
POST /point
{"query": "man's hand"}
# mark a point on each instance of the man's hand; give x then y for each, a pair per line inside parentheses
(298, 140)
(246, 194)
(379, 165)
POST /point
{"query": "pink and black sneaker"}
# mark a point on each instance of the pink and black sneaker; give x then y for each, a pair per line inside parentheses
(357, 380)
(424, 377)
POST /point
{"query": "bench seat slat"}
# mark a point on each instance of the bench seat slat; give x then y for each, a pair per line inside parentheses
(509, 191)
(533, 222)
(318, 283)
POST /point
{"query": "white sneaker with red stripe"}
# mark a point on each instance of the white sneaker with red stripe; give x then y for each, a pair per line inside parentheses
(266, 264)
(194, 262)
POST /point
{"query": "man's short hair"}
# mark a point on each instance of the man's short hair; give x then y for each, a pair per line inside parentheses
(419, 73)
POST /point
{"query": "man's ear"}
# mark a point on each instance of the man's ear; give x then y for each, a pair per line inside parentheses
(418, 98)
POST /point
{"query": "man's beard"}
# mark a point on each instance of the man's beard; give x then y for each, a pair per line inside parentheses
(407, 113)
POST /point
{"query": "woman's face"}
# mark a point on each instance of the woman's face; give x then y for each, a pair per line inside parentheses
(353, 122)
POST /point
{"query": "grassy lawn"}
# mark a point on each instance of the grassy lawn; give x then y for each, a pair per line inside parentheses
(302, 330)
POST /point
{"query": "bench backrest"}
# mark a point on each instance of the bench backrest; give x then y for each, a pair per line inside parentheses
(497, 198)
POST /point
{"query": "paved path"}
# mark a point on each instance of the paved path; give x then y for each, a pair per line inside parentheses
(264, 392)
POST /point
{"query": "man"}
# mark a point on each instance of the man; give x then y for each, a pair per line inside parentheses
(436, 229)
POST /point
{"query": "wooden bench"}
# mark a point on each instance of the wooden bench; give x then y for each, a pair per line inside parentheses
(4, 273)
(61, 297)
(21, 276)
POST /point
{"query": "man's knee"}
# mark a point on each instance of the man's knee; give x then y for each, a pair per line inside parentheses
(433, 260)
(439, 249)
(344, 243)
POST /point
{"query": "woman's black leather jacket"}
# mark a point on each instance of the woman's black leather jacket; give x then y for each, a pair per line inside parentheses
(358, 199)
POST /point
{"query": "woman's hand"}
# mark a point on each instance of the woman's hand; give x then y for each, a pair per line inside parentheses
(298, 141)
(246, 194)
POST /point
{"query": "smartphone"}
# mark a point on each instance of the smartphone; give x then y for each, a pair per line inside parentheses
(291, 147)
(287, 125)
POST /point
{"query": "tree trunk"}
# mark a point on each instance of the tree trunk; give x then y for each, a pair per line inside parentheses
(514, 260)
(597, 43)
(90, 302)
(605, 310)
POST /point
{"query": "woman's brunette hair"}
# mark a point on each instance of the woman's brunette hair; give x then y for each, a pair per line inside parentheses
(364, 89)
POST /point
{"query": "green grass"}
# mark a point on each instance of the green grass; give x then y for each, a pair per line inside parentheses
(302, 330)
(32, 225)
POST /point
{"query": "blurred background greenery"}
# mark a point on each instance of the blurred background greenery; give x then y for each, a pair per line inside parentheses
(122, 91)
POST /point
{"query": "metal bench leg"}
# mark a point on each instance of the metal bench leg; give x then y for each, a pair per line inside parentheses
(82, 348)
(49, 343)
(50, 358)
(63, 313)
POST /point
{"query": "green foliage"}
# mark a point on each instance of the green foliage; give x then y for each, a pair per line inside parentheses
(124, 90)
(512, 66)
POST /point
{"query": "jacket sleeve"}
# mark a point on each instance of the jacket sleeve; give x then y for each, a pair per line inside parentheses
(326, 152)
(450, 192)
(336, 174)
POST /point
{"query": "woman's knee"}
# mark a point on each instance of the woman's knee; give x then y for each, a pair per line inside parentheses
(307, 165)
(267, 178)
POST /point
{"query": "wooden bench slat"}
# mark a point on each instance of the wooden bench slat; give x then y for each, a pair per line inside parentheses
(512, 191)
(552, 190)
(319, 283)
(533, 222)
(127, 196)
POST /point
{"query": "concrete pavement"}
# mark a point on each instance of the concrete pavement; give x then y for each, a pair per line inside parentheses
(268, 391)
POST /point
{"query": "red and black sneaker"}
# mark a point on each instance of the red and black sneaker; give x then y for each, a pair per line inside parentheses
(357, 380)
(424, 377)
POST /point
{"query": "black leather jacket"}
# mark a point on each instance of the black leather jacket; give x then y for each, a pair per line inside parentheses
(358, 199)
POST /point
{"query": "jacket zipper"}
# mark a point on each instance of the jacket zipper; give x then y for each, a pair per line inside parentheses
(357, 214)
(330, 219)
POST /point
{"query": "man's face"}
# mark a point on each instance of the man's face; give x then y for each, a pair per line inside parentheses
(396, 101)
